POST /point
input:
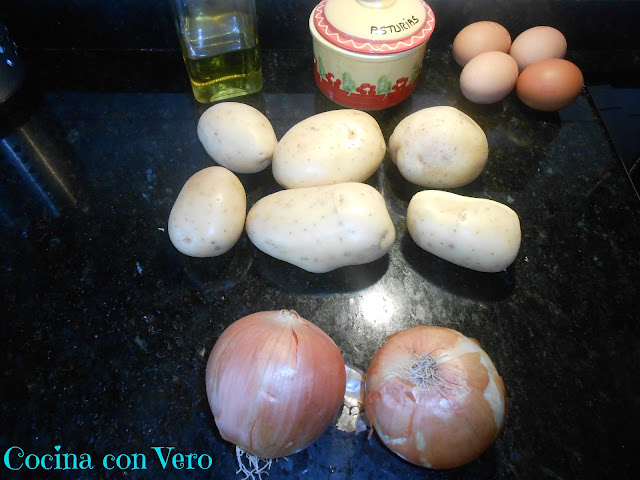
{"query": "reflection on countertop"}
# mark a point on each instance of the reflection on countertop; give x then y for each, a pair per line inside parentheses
(619, 107)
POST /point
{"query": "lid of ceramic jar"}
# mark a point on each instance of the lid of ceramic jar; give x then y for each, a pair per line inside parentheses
(374, 26)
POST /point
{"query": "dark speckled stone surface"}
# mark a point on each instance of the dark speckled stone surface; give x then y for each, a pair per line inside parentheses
(107, 327)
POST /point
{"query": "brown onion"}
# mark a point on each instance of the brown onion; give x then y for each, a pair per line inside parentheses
(434, 397)
(275, 383)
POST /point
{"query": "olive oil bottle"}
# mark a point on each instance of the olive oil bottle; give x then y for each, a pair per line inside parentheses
(225, 75)
(220, 48)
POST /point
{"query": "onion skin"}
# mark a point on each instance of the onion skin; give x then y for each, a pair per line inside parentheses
(275, 383)
(444, 422)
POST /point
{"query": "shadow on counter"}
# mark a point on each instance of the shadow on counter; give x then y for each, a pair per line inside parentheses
(214, 275)
(458, 280)
(293, 279)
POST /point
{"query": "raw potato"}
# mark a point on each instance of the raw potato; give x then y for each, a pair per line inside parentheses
(237, 136)
(475, 233)
(328, 148)
(208, 216)
(439, 147)
(322, 228)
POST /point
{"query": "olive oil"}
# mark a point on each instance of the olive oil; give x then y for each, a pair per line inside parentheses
(221, 54)
(225, 75)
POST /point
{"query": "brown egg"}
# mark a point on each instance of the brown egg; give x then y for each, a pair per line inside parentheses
(488, 77)
(480, 37)
(538, 43)
(550, 84)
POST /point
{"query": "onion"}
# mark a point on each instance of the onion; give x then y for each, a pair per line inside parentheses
(434, 397)
(275, 383)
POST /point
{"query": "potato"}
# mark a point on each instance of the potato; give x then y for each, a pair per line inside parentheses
(237, 136)
(439, 147)
(208, 216)
(322, 228)
(328, 148)
(475, 233)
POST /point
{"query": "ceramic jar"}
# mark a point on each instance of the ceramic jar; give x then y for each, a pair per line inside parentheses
(368, 53)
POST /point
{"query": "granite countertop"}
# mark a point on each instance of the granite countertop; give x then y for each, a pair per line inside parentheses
(107, 327)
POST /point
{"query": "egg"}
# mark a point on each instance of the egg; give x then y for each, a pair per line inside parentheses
(550, 84)
(489, 77)
(480, 37)
(538, 43)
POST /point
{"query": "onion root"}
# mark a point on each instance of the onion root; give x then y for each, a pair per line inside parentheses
(254, 469)
(426, 371)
